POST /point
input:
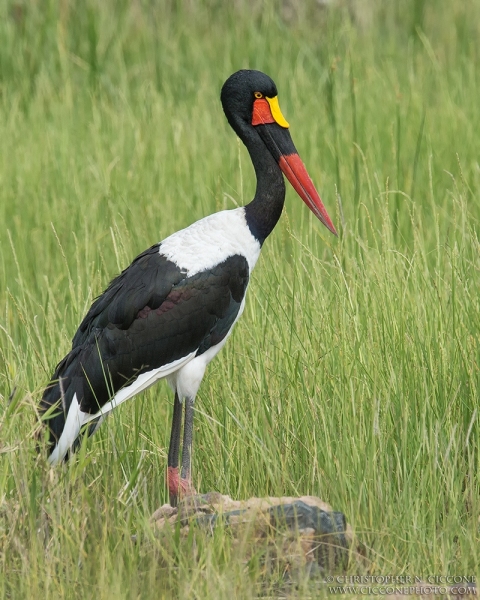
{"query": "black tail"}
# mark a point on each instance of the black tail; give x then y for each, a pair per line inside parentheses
(58, 396)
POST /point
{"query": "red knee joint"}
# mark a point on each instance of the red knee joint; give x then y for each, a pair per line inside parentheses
(173, 480)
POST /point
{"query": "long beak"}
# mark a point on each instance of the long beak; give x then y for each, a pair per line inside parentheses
(280, 144)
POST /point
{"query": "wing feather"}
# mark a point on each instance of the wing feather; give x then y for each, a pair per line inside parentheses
(151, 315)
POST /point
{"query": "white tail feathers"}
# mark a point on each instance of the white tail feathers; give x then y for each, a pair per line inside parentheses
(75, 419)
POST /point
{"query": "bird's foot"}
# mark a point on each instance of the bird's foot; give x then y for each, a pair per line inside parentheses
(178, 487)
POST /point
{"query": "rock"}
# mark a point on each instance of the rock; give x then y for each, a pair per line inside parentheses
(298, 532)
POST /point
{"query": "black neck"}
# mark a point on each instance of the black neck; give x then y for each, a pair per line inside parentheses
(266, 207)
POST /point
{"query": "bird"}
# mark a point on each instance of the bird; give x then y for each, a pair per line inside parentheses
(170, 312)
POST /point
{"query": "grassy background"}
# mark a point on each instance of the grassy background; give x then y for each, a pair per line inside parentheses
(354, 372)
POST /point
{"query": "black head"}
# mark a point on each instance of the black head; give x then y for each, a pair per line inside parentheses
(238, 95)
(249, 100)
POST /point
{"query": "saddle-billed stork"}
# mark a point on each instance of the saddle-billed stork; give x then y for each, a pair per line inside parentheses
(171, 311)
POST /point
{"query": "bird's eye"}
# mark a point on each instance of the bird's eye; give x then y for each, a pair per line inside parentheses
(258, 95)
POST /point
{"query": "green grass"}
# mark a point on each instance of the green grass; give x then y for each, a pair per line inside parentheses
(354, 372)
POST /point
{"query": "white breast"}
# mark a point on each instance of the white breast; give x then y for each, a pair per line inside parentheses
(210, 241)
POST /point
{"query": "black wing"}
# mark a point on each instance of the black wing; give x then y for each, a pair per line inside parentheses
(146, 282)
(150, 315)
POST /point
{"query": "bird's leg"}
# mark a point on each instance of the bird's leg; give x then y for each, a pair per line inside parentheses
(173, 478)
(186, 480)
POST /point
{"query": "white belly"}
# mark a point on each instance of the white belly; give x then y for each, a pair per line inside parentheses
(188, 378)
